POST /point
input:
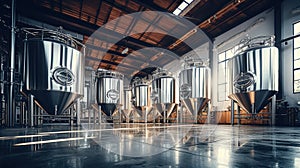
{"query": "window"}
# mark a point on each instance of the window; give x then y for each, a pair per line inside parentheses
(182, 6)
(296, 58)
(223, 73)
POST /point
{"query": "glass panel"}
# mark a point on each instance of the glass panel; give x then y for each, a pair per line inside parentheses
(297, 54)
(229, 54)
(297, 74)
(221, 72)
(222, 56)
(177, 12)
(182, 6)
(296, 64)
(226, 93)
(189, 1)
(221, 92)
(297, 28)
(235, 49)
(297, 42)
(296, 86)
(227, 72)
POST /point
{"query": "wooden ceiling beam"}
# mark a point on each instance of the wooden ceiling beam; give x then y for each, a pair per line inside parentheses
(98, 11)
(74, 24)
(150, 5)
(118, 54)
(81, 7)
(110, 63)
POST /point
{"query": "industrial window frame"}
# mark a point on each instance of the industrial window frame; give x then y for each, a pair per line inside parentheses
(223, 85)
(296, 59)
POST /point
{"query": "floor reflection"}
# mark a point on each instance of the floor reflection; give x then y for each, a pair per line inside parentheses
(152, 145)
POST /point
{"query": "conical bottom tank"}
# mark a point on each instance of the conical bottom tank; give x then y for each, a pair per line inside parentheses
(108, 108)
(53, 74)
(254, 77)
(254, 101)
(55, 102)
(167, 107)
(109, 90)
(193, 107)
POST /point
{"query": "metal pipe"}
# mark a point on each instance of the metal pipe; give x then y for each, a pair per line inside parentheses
(278, 36)
(2, 98)
(232, 112)
(11, 116)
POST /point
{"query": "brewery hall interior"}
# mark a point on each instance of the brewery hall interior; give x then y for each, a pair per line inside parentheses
(156, 83)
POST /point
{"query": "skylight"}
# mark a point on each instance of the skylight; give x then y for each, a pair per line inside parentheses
(182, 6)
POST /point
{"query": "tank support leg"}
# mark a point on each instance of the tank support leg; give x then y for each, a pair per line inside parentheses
(239, 115)
(177, 116)
(181, 113)
(99, 115)
(164, 111)
(94, 116)
(89, 118)
(208, 113)
(195, 111)
(71, 116)
(30, 109)
(273, 110)
(120, 115)
(232, 113)
(78, 113)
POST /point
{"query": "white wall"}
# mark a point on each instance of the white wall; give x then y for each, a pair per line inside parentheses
(290, 15)
(260, 25)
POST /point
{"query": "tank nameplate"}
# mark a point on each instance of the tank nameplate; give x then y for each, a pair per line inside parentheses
(63, 76)
(113, 94)
(244, 80)
(185, 91)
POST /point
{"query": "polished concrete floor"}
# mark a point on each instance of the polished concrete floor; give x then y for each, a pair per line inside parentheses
(152, 145)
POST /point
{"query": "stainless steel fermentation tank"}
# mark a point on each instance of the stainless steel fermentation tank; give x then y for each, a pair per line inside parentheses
(254, 74)
(53, 69)
(141, 97)
(163, 93)
(109, 86)
(127, 103)
(194, 87)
